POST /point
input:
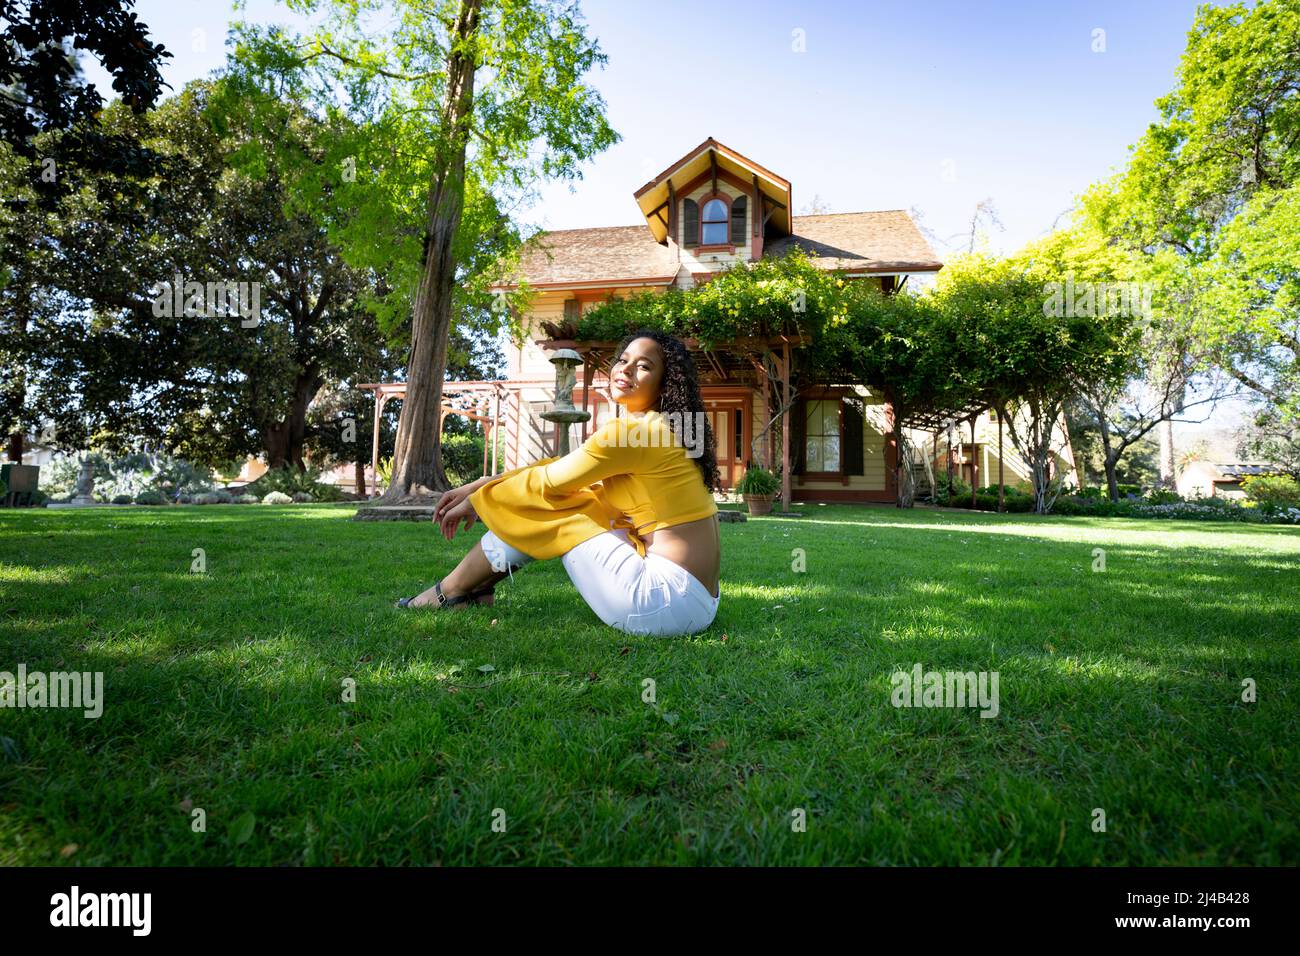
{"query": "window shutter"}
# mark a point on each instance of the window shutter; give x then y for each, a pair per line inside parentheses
(798, 428)
(738, 209)
(690, 223)
(852, 444)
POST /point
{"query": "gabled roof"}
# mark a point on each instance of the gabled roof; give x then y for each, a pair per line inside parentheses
(711, 157)
(884, 241)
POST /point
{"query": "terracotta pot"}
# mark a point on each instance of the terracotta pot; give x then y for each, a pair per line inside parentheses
(759, 504)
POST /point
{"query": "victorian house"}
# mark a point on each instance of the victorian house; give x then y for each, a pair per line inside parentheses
(707, 210)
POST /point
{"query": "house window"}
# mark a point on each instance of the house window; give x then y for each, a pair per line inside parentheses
(690, 223)
(714, 222)
(738, 209)
(822, 436)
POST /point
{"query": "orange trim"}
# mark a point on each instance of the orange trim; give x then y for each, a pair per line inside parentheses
(710, 143)
(593, 283)
(729, 178)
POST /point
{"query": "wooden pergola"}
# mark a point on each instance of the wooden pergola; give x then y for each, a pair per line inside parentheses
(740, 359)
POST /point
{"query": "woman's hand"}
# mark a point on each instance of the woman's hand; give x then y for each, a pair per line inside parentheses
(451, 499)
(453, 516)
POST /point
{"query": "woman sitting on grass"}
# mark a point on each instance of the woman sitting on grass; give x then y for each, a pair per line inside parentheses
(630, 513)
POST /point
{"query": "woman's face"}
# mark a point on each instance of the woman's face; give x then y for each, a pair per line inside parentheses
(636, 375)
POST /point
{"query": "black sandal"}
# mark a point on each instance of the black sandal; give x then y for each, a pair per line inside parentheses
(445, 602)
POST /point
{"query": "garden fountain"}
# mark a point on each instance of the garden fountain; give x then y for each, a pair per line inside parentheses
(563, 413)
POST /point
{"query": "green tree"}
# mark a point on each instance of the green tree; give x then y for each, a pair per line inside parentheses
(1213, 180)
(461, 108)
(43, 90)
(1025, 357)
(202, 377)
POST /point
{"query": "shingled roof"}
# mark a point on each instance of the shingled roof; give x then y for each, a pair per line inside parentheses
(577, 256)
(885, 241)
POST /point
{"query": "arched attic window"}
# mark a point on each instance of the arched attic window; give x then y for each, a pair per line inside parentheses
(715, 218)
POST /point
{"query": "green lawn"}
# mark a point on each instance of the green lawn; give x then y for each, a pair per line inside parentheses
(1119, 690)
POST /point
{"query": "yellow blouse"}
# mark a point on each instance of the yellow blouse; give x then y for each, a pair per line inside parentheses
(631, 473)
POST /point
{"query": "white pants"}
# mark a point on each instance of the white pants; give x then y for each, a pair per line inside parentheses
(649, 595)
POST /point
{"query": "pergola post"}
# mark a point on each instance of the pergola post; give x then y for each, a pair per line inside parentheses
(785, 425)
(588, 373)
(1001, 482)
(496, 428)
(519, 413)
(374, 449)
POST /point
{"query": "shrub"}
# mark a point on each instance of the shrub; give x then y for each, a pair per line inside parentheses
(1204, 510)
(4, 488)
(246, 500)
(462, 458)
(324, 492)
(1130, 491)
(302, 497)
(290, 481)
(208, 498)
(1010, 490)
(1278, 490)
(945, 491)
(150, 496)
(757, 480)
(1074, 505)
(1012, 504)
(39, 499)
(277, 498)
(1163, 496)
(122, 499)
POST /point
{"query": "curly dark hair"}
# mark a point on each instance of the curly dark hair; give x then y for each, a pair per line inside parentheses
(679, 391)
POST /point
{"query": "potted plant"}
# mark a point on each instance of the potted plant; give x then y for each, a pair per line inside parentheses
(758, 486)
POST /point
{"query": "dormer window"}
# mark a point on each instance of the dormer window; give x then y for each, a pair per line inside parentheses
(714, 223)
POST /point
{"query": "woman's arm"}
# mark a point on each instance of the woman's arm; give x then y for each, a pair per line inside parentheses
(607, 452)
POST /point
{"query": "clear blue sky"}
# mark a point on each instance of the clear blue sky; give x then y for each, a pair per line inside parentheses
(893, 104)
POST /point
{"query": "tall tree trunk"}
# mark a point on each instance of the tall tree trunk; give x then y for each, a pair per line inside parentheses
(417, 459)
(16, 440)
(1167, 476)
(1109, 458)
(283, 441)
(359, 477)
(1177, 397)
